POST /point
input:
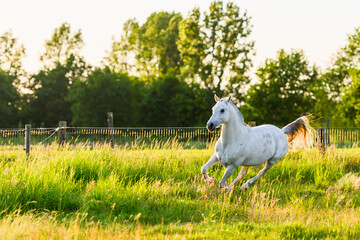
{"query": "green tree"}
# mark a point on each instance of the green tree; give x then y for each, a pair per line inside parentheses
(216, 49)
(349, 107)
(49, 101)
(64, 49)
(346, 59)
(284, 92)
(8, 99)
(105, 91)
(11, 71)
(63, 45)
(11, 55)
(153, 45)
(171, 102)
(119, 57)
(336, 80)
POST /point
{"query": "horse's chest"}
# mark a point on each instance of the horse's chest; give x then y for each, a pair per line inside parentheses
(224, 160)
(225, 155)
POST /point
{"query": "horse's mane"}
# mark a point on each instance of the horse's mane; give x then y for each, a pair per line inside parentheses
(238, 111)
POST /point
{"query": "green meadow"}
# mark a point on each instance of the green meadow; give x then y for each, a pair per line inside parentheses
(157, 192)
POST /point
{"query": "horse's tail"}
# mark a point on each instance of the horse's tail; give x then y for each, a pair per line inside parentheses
(299, 132)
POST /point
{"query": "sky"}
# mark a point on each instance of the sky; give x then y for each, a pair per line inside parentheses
(319, 27)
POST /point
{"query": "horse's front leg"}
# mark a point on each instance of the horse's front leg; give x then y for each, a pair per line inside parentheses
(209, 164)
(228, 172)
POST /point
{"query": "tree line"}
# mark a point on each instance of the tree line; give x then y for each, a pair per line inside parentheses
(165, 71)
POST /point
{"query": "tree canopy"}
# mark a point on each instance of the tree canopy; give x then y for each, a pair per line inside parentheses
(216, 49)
(11, 55)
(164, 72)
(9, 98)
(153, 44)
(284, 91)
(349, 107)
(104, 91)
(62, 46)
(49, 100)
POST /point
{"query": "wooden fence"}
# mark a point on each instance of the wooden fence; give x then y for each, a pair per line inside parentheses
(341, 137)
(116, 135)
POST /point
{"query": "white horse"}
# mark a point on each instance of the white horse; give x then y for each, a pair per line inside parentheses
(242, 145)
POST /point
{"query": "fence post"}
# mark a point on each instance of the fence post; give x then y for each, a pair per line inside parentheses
(327, 135)
(27, 138)
(62, 132)
(322, 139)
(110, 120)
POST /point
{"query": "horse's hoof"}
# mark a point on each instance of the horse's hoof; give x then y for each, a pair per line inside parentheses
(244, 187)
(210, 180)
(229, 189)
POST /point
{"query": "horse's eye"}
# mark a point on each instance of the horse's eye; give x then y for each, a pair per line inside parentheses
(222, 110)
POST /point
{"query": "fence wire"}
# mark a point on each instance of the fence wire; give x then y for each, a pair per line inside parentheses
(12, 136)
(341, 137)
(128, 135)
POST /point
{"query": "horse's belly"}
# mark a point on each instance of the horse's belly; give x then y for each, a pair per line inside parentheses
(266, 149)
(256, 159)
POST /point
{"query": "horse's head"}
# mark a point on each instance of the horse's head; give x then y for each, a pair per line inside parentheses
(220, 113)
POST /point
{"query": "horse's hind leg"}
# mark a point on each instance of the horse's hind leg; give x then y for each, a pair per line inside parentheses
(262, 172)
(242, 173)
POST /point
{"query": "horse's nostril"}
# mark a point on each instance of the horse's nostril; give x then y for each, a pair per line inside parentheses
(211, 125)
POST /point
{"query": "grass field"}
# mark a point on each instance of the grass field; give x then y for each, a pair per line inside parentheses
(158, 193)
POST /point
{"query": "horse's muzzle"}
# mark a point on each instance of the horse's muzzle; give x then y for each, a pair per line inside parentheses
(211, 127)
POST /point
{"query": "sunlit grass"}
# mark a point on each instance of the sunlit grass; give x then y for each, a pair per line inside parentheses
(96, 192)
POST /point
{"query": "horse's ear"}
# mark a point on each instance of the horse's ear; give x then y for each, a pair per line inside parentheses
(216, 98)
(229, 98)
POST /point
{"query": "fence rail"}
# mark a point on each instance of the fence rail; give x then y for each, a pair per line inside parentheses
(102, 135)
(341, 137)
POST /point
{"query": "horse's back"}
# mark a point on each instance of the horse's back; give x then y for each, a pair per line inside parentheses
(273, 133)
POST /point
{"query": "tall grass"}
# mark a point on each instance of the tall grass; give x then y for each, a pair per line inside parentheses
(89, 192)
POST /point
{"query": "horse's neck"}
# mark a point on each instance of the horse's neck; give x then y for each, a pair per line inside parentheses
(233, 131)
